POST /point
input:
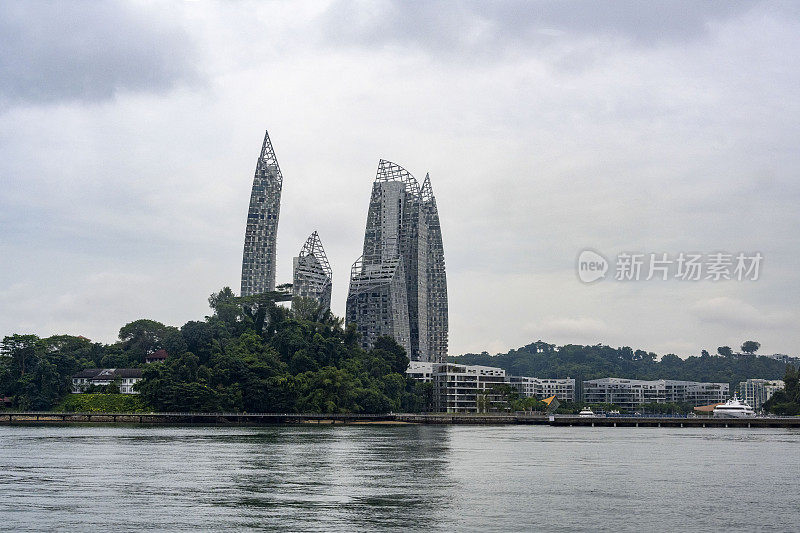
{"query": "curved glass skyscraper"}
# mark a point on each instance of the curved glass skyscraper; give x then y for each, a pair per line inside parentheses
(258, 261)
(437, 278)
(398, 287)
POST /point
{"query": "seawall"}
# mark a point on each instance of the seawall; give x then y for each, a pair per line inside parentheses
(12, 418)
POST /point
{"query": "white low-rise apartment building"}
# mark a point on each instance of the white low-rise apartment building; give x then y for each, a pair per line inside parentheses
(629, 394)
(127, 378)
(756, 392)
(465, 388)
(421, 371)
(562, 388)
(468, 388)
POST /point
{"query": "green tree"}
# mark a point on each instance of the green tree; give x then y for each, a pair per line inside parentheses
(529, 403)
(482, 402)
(307, 308)
(142, 337)
(113, 387)
(392, 352)
(502, 397)
(21, 349)
(35, 372)
(750, 347)
(791, 379)
(786, 401)
(227, 311)
(199, 339)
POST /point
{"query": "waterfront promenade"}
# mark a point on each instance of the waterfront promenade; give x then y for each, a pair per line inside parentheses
(13, 418)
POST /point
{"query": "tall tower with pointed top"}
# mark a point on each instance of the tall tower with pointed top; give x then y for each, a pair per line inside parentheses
(258, 261)
(392, 283)
(437, 315)
(312, 272)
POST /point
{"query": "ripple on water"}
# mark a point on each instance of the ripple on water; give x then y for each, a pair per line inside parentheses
(404, 478)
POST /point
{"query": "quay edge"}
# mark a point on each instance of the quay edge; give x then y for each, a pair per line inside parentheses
(13, 418)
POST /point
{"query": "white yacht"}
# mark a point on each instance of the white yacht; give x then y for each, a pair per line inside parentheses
(733, 408)
(586, 412)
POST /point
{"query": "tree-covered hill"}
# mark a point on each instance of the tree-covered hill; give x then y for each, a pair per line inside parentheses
(544, 360)
(250, 355)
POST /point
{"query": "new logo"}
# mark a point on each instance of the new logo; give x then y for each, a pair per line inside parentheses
(591, 266)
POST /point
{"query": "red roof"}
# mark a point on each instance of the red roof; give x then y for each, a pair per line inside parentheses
(159, 354)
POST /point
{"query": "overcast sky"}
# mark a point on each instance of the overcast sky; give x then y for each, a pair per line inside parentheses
(129, 134)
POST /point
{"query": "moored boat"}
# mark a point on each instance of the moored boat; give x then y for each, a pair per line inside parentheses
(734, 408)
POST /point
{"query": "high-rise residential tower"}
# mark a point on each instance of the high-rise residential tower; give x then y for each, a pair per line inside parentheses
(312, 273)
(258, 261)
(437, 278)
(398, 286)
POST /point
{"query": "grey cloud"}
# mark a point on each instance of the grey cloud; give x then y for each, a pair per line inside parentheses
(738, 314)
(672, 139)
(570, 329)
(74, 51)
(484, 28)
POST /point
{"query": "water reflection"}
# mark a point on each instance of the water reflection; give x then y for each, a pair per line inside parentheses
(401, 478)
(284, 478)
(324, 477)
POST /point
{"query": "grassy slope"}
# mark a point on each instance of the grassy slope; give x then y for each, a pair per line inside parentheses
(108, 403)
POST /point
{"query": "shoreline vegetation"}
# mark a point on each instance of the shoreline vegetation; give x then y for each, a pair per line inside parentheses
(249, 355)
(254, 355)
(545, 360)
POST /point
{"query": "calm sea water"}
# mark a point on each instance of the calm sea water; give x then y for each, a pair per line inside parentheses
(403, 478)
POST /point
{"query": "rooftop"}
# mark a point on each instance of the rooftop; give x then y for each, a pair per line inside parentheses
(108, 373)
(158, 354)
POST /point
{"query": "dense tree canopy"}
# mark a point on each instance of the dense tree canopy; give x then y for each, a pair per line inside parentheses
(36, 373)
(786, 401)
(253, 355)
(250, 355)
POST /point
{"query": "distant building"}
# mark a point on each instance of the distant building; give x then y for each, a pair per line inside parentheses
(312, 273)
(468, 388)
(563, 388)
(782, 357)
(756, 392)
(159, 356)
(127, 377)
(629, 394)
(421, 371)
(465, 388)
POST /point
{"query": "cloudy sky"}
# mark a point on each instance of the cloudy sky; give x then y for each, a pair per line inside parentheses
(129, 134)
